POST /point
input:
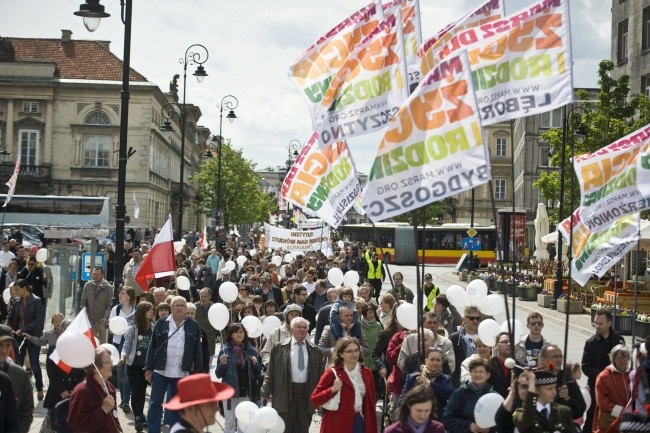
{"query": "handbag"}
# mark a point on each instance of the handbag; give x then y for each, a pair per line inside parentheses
(333, 403)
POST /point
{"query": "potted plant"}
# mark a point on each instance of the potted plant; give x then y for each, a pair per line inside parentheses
(528, 290)
(622, 321)
(571, 305)
(501, 284)
(544, 298)
(598, 306)
(510, 286)
(643, 324)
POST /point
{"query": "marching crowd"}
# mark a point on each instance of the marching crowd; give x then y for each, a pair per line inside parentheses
(337, 352)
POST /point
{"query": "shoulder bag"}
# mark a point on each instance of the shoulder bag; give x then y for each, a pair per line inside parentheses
(333, 403)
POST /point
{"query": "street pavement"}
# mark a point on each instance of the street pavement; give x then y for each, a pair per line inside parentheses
(580, 329)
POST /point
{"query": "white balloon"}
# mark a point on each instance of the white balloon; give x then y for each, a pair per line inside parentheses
(283, 271)
(228, 291)
(486, 408)
(183, 283)
(518, 331)
(115, 355)
(276, 260)
(341, 244)
(218, 315)
(230, 265)
(288, 258)
(351, 278)
(6, 295)
(266, 417)
(279, 426)
(488, 331)
(178, 246)
(443, 290)
(252, 252)
(586, 396)
(241, 260)
(491, 305)
(257, 332)
(41, 255)
(251, 323)
(246, 411)
(75, 349)
(335, 276)
(477, 290)
(457, 297)
(270, 324)
(407, 316)
(118, 325)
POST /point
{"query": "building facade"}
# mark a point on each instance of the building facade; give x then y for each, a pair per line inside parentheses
(630, 50)
(60, 111)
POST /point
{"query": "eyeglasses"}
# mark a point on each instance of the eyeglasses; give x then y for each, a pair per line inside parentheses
(474, 318)
(536, 323)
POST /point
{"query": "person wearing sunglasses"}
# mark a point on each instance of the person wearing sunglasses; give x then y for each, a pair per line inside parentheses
(528, 348)
(464, 340)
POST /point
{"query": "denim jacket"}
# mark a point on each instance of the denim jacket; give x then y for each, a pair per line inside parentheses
(228, 373)
(192, 354)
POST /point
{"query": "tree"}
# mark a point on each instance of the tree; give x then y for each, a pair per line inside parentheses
(242, 201)
(615, 114)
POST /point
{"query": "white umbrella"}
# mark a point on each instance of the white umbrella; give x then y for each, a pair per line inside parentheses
(541, 229)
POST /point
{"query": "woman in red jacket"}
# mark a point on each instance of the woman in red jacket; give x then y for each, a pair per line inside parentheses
(354, 382)
(612, 391)
(92, 403)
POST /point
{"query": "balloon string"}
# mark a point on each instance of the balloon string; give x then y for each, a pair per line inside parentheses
(103, 382)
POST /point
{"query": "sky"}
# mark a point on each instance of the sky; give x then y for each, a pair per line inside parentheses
(251, 44)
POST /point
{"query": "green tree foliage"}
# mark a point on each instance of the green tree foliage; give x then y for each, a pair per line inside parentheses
(242, 201)
(615, 114)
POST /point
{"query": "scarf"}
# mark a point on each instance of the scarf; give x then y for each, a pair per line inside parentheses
(430, 374)
(414, 426)
(367, 322)
(356, 378)
(240, 356)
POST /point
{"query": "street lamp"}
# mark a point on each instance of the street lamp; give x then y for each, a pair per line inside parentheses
(228, 102)
(579, 132)
(293, 150)
(92, 13)
(195, 54)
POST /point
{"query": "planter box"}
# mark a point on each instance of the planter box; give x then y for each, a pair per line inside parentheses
(527, 293)
(501, 286)
(544, 299)
(573, 307)
(623, 324)
(642, 329)
(510, 289)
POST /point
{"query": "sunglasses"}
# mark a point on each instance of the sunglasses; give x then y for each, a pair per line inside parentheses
(536, 323)
(473, 318)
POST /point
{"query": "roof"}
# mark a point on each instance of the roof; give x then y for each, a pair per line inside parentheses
(74, 59)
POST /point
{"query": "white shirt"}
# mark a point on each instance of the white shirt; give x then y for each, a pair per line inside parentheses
(547, 406)
(6, 257)
(298, 376)
(117, 339)
(175, 349)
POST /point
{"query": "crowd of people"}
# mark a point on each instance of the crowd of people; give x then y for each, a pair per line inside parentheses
(337, 352)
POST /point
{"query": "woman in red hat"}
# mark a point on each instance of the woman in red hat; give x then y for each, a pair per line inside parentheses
(197, 403)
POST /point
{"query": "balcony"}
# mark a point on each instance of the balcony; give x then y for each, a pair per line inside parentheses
(28, 172)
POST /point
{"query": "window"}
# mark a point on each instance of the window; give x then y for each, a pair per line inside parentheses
(645, 29)
(29, 143)
(30, 107)
(544, 157)
(97, 118)
(499, 189)
(551, 119)
(645, 85)
(621, 49)
(97, 150)
(502, 147)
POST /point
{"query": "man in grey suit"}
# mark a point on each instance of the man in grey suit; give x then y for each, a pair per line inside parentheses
(294, 369)
(328, 341)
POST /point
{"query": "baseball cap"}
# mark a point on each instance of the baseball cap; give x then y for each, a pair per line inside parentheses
(427, 276)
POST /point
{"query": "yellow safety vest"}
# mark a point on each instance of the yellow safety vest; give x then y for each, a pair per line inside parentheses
(374, 274)
(431, 298)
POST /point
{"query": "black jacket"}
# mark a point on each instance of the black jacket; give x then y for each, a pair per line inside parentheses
(60, 381)
(460, 352)
(499, 382)
(595, 356)
(192, 355)
(34, 316)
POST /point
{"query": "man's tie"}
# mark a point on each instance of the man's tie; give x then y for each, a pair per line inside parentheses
(301, 356)
(544, 413)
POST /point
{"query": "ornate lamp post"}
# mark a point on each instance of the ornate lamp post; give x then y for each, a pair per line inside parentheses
(228, 102)
(195, 54)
